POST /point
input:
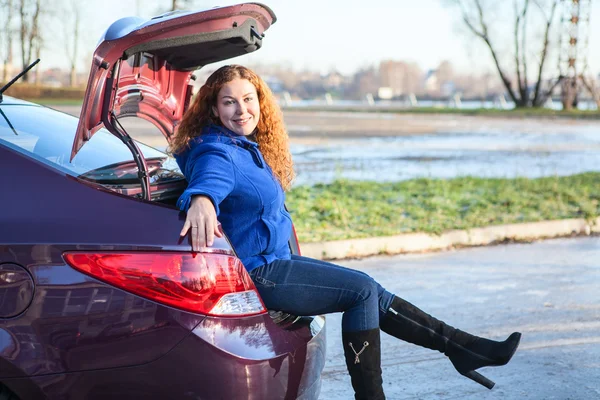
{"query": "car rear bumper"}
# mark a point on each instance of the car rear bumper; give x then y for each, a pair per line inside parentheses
(220, 359)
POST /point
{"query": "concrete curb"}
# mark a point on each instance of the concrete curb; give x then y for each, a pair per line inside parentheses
(421, 242)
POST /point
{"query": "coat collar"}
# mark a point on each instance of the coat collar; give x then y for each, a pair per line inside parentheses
(214, 129)
(218, 132)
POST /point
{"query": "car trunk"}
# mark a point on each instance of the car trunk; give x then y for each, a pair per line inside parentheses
(167, 182)
(143, 69)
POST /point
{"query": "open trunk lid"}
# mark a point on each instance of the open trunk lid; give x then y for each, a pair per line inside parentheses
(143, 67)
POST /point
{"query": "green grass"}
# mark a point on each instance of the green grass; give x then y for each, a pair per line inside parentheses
(354, 209)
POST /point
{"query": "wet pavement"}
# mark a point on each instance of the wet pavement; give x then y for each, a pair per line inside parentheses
(448, 155)
(394, 147)
(549, 291)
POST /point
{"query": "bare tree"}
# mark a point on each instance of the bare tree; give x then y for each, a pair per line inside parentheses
(71, 29)
(476, 18)
(30, 36)
(590, 85)
(7, 8)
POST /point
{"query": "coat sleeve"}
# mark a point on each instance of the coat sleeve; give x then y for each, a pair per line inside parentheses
(208, 169)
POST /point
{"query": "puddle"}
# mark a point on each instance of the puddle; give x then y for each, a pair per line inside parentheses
(492, 153)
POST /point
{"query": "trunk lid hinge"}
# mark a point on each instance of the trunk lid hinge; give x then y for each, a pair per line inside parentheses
(114, 126)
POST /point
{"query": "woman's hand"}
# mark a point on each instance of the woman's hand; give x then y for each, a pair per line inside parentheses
(202, 220)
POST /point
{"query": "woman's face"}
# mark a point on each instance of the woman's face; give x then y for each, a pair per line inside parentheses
(238, 107)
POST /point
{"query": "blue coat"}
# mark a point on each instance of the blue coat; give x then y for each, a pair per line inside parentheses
(230, 170)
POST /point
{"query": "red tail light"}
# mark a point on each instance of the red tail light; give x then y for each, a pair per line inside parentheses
(206, 283)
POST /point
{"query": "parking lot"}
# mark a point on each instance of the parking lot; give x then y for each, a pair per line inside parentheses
(549, 291)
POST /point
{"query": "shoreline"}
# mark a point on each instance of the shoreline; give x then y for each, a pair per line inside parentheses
(330, 124)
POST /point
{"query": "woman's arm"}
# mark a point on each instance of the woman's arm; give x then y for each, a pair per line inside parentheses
(202, 220)
(209, 172)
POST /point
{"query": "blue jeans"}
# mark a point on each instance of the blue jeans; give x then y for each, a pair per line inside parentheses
(304, 286)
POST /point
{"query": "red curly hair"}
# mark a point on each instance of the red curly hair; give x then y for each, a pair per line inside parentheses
(271, 135)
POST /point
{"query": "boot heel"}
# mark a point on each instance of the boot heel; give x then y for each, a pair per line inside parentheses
(482, 380)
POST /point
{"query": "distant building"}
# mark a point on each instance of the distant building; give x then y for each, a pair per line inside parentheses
(55, 77)
(385, 93)
(274, 83)
(333, 81)
(431, 82)
(393, 76)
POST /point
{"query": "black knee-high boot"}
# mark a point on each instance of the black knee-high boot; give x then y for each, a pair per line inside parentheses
(466, 352)
(363, 359)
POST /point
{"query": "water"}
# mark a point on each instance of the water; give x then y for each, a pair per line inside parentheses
(484, 153)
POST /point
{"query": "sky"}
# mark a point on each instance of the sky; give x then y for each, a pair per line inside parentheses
(344, 35)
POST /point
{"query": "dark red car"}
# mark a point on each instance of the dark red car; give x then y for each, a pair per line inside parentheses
(99, 298)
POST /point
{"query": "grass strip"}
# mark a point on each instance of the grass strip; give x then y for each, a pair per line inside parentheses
(348, 209)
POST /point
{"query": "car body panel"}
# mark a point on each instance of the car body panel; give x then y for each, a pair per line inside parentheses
(68, 219)
(18, 290)
(77, 323)
(197, 369)
(143, 68)
(59, 331)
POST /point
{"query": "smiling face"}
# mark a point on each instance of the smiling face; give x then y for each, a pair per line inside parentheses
(238, 107)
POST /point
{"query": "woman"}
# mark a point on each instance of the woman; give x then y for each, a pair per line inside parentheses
(233, 149)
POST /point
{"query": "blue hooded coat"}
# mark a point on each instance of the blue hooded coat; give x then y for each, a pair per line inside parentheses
(249, 200)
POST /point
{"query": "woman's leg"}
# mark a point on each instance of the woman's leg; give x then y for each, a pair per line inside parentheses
(467, 352)
(302, 287)
(385, 298)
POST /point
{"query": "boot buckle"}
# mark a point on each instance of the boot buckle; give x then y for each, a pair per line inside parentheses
(356, 359)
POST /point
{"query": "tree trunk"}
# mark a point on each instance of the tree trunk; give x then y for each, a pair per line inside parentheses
(520, 61)
(73, 76)
(569, 92)
(591, 87)
(539, 99)
(37, 72)
(30, 35)
(75, 37)
(8, 33)
(23, 36)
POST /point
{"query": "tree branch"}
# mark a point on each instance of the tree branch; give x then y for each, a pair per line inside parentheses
(517, 55)
(23, 35)
(537, 99)
(591, 87)
(524, 49)
(483, 34)
(520, 62)
(467, 21)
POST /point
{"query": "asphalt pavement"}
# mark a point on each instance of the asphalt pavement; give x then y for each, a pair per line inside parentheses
(549, 291)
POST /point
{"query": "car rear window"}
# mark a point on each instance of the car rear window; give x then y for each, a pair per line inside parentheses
(47, 135)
